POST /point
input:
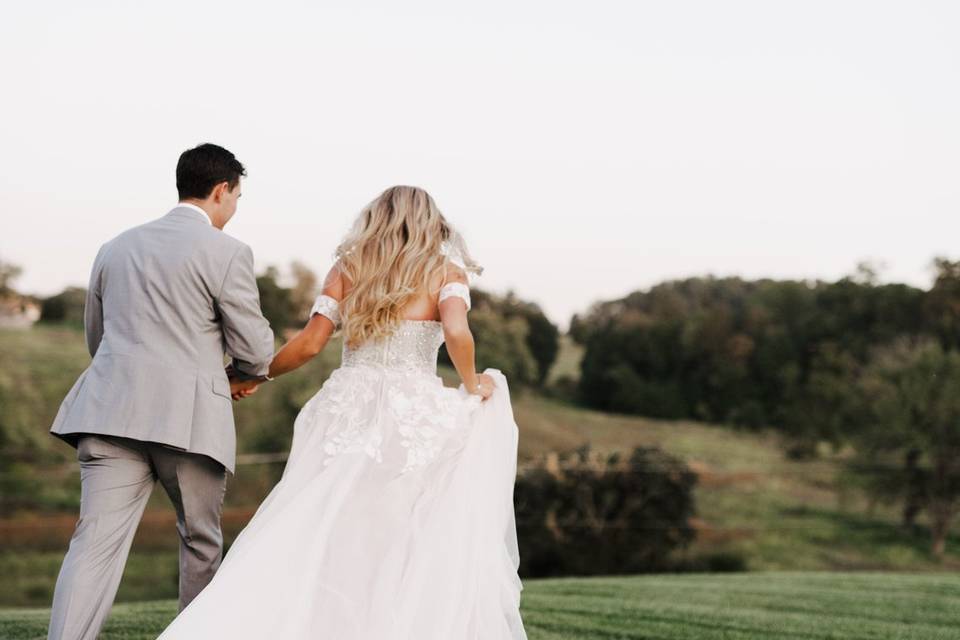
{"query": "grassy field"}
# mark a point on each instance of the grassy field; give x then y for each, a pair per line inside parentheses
(862, 606)
(752, 502)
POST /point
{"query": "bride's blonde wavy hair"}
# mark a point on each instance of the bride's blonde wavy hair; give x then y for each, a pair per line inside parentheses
(397, 246)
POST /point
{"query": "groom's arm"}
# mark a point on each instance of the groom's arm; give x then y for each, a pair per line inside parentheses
(93, 307)
(247, 334)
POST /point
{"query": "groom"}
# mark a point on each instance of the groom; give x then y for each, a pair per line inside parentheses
(166, 301)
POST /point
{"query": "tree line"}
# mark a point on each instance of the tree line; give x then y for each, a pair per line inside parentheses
(852, 362)
(512, 335)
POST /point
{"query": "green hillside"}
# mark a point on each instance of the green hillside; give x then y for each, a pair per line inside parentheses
(779, 514)
(773, 513)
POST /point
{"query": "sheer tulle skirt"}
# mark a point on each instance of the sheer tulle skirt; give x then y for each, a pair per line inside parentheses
(394, 519)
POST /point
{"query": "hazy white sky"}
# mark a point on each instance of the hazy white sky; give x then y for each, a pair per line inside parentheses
(585, 149)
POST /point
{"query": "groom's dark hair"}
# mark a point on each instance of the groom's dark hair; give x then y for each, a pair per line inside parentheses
(202, 168)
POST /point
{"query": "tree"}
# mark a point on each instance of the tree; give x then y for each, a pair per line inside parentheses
(501, 344)
(287, 307)
(751, 353)
(542, 337)
(827, 406)
(66, 307)
(304, 291)
(276, 301)
(912, 390)
(942, 303)
(512, 335)
(8, 273)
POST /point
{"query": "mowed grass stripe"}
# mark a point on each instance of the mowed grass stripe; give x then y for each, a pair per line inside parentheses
(748, 606)
(800, 606)
(925, 587)
(684, 623)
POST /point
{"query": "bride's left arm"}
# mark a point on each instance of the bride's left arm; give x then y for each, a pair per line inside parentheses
(310, 340)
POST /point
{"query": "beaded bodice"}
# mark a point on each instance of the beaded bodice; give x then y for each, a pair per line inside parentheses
(412, 347)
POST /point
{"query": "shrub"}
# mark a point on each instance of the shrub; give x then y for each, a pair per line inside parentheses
(590, 515)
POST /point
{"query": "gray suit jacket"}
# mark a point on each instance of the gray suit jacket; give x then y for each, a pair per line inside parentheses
(166, 301)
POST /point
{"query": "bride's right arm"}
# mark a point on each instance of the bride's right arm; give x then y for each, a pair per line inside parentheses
(459, 338)
(310, 340)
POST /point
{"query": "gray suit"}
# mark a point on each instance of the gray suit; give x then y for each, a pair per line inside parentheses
(167, 300)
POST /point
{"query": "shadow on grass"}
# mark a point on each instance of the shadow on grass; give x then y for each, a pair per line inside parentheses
(840, 531)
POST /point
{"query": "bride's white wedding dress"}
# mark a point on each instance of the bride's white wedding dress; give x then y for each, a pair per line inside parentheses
(394, 516)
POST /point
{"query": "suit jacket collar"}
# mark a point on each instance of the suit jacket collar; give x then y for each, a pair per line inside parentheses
(190, 212)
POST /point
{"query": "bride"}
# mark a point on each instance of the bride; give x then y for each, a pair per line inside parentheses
(394, 516)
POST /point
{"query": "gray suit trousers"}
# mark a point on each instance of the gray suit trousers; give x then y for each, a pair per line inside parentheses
(116, 477)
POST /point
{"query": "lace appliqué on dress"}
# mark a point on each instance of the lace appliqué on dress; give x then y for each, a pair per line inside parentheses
(329, 307)
(455, 289)
(425, 417)
(353, 431)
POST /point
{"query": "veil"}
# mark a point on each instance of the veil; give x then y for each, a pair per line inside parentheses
(455, 250)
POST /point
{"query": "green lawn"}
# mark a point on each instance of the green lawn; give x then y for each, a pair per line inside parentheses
(860, 606)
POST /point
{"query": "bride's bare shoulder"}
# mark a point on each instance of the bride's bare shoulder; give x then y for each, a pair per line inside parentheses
(450, 273)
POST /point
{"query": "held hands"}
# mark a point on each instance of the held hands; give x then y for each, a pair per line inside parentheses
(240, 389)
(484, 387)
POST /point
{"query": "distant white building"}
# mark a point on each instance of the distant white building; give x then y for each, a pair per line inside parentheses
(17, 312)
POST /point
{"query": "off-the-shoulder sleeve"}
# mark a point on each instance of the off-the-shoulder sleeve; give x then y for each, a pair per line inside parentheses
(455, 289)
(329, 307)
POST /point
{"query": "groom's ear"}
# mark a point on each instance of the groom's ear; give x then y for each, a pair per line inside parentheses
(219, 190)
